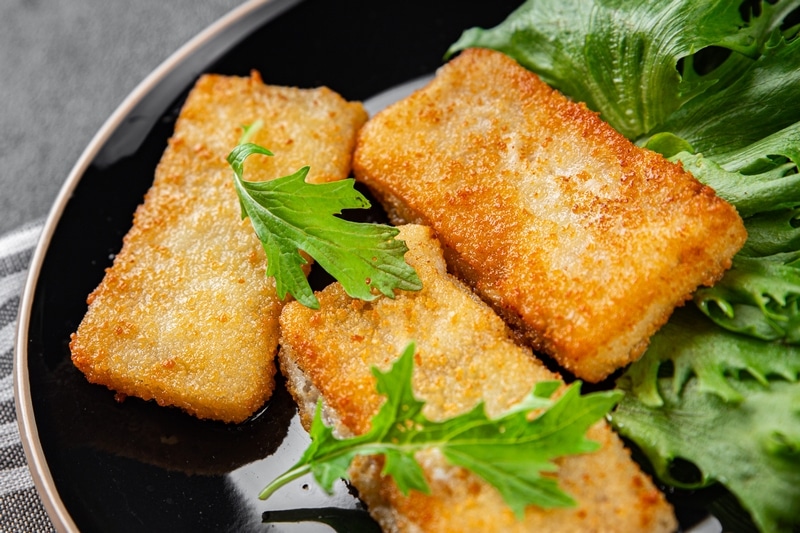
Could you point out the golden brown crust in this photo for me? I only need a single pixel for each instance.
(614, 497)
(577, 237)
(464, 354)
(186, 315)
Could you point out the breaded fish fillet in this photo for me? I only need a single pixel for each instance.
(464, 354)
(580, 239)
(186, 315)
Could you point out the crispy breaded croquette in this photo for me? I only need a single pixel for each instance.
(582, 241)
(464, 354)
(186, 315)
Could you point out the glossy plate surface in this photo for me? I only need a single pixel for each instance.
(101, 465)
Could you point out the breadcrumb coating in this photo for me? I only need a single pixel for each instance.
(186, 316)
(464, 354)
(579, 239)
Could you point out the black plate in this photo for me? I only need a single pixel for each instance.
(107, 466)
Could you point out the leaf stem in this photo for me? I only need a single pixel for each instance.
(283, 479)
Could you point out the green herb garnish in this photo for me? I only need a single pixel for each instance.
(290, 215)
(510, 452)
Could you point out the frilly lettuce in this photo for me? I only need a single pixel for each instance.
(727, 404)
(636, 62)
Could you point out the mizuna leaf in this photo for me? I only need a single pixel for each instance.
(509, 452)
(290, 215)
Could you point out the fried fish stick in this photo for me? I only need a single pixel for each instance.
(464, 354)
(582, 241)
(186, 315)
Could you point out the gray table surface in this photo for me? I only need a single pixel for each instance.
(65, 65)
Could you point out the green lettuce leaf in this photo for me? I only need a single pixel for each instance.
(620, 57)
(775, 188)
(692, 347)
(772, 233)
(727, 404)
(290, 215)
(509, 452)
(758, 297)
(761, 99)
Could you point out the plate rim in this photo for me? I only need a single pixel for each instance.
(244, 19)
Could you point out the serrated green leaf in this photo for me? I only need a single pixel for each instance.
(509, 452)
(619, 57)
(729, 405)
(770, 190)
(772, 233)
(405, 470)
(516, 463)
(290, 215)
(760, 100)
(696, 348)
(750, 446)
(759, 296)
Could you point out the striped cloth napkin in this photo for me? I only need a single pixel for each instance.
(21, 510)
